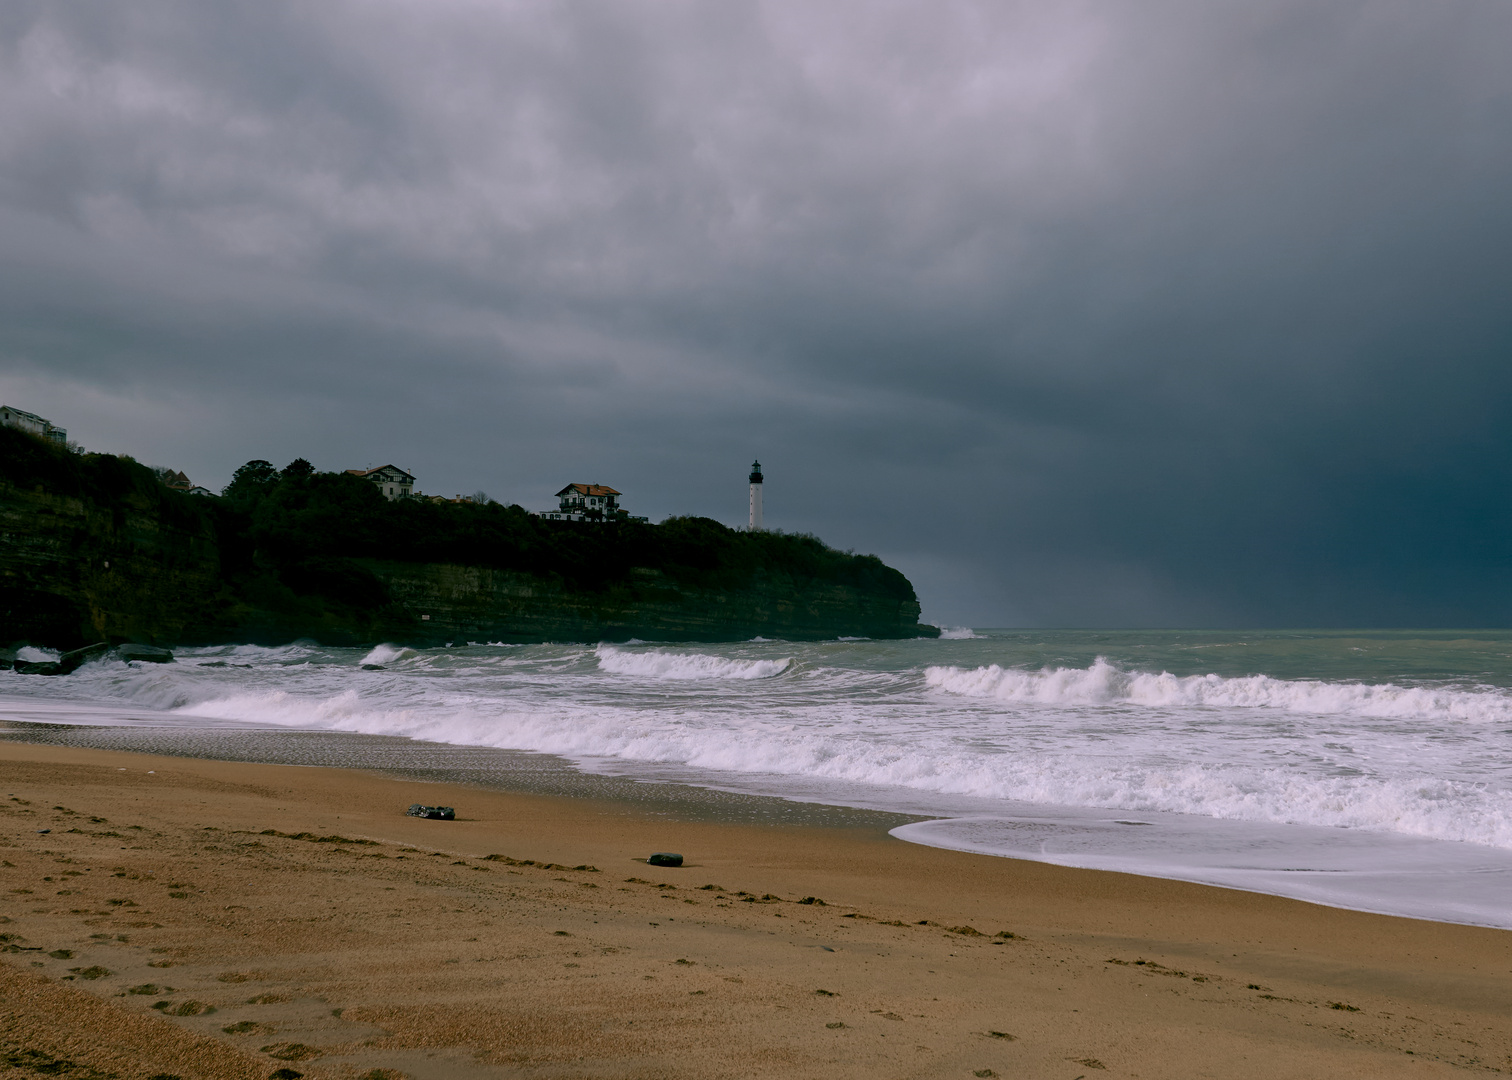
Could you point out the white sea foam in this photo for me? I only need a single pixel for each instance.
(878, 725)
(1104, 684)
(958, 633)
(1390, 874)
(912, 760)
(659, 664)
(251, 654)
(387, 654)
(31, 654)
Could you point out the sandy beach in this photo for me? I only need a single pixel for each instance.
(165, 916)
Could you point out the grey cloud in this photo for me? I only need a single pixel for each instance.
(1080, 313)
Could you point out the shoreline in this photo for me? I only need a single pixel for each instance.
(497, 967)
(530, 772)
(487, 768)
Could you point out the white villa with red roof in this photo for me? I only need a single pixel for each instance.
(585, 502)
(392, 481)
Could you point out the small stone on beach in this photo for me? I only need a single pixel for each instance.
(665, 858)
(435, 813)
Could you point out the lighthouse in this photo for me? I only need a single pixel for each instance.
(755, 496)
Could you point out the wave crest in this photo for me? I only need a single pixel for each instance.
(658, 664)
(1103, 684)
(387, 654)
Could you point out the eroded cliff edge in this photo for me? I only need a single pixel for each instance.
(92, 548)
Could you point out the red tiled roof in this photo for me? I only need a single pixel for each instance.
(370, 472)
(589, 489)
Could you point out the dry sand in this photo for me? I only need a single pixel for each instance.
(212, 919)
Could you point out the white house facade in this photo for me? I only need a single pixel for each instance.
(392, 481)
(31, 422)
(586, 502)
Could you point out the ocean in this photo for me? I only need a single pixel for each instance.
(1362, 769)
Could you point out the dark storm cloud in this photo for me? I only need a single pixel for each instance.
(1079, 313)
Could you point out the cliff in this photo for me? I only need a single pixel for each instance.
(92, 548)
(467, 603)
(96, 549)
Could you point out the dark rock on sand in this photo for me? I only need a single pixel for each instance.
(436, 813)
(665, 858)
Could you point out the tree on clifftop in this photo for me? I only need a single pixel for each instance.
(298, 469)
(254, 478)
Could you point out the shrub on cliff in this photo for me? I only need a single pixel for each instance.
(27, 461)
(292, 551)
(292, 519)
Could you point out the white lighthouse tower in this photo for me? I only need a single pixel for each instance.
(755, 496)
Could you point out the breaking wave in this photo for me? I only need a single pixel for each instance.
(658, 664)
(387, 654)
(918, 761)
(1387, 756)
(1104, 684)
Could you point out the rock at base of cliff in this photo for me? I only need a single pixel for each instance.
(63, 665)
(147, 654)
(72, 661)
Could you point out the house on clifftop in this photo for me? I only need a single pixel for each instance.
(392, 481)
(586, 502)
(175, 480)
(31, 422)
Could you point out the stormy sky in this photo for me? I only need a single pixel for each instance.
(1079, 313)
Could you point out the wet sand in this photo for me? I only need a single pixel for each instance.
(200, 918)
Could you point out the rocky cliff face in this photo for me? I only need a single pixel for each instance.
(100, 551)
(73, 571)
(462, 603)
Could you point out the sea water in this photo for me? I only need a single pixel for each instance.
(1367, 770)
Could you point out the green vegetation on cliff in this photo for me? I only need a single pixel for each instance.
(95, 546)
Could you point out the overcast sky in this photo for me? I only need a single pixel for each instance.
(1080, 314)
